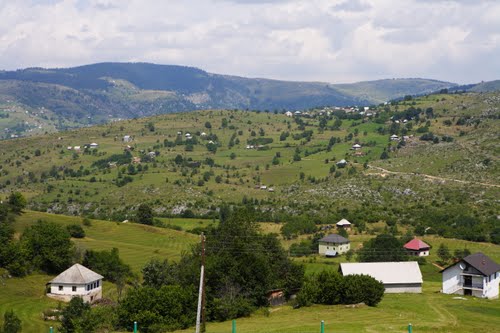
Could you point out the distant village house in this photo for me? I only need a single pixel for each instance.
(418, 248)
(333, 245)
(79, 281)
(344, 224)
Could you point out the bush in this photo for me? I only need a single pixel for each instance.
(11, 323)
(329, 287)
(362, 288)
(76, 231)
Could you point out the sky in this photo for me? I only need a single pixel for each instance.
(313, 40)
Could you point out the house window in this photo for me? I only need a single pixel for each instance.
(97, 284)
(61, 288)
(73, 288)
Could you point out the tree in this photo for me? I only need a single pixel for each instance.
(47, 246)
(343, 233)
(384, 247)
(444, 253)
(208, 125)
(73, 314)
(17, 202)
(108, 264)
(11, 323)
(144, 214)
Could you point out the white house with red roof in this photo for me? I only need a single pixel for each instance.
(417, 247)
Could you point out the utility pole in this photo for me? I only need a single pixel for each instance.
(200, 315)
(203, 281)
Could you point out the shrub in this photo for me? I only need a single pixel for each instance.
(362, 288)
(76, 231)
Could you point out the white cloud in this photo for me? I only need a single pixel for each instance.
(320, 40)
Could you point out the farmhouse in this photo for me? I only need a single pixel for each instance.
(394, 137)
(79, 281)
(127, 138)
(333, 245)
(288, 114)
(342, 163)
(343, 224)
(94, 145)
(356, 146)
(397, 277)
(475, 275)
(418, 248)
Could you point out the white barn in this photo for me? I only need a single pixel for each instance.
(79, 281)
(397, 277)
(475, 275)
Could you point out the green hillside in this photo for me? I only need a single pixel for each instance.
(451, 148)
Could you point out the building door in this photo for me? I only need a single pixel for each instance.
(467, 284)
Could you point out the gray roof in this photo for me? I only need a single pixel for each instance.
(482, 263)
(77, 274)
(333, 238)
(386, 272)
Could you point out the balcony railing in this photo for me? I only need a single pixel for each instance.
(473, 286)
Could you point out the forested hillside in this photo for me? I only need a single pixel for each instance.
(37, 100)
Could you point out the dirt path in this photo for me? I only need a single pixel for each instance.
(441, 268)
(383, 172)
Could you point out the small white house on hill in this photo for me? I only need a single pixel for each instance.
(79, 281)
(475, 275)
(343, 224)
(333, 245)
(418, 248)
(397, 277)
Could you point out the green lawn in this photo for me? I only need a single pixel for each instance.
(137, 243)
(427, 312)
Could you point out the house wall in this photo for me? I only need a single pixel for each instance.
(340, 248)
(67, 293)
(452, 281)
(491, 289)
(415, 288)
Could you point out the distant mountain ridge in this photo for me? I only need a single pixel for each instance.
(95, 93)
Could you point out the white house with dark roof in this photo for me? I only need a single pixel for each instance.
(79, 281)
(397, 277)
(333, 245)
(475, 275)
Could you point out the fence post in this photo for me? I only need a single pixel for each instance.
(51, 329)
(135, 327)
(322, 326)
(410, 328)
(234, 326)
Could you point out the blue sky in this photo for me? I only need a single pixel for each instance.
(314, 40)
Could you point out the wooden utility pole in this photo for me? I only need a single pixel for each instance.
(200, 315)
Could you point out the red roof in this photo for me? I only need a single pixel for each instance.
(416, 244)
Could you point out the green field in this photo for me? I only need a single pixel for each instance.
(137, 243)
